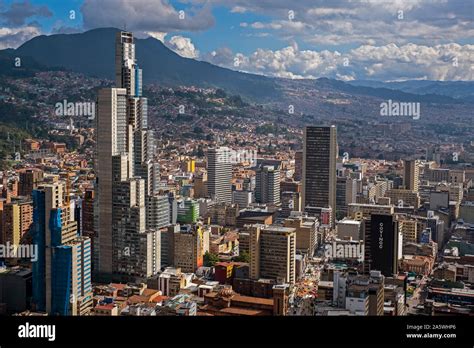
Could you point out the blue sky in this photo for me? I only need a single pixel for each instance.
(370, 39)
(227, 32)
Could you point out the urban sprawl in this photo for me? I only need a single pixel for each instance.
(123, 220)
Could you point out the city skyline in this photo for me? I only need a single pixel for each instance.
(138, 182)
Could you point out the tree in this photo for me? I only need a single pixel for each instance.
(243, 257)
(210, 259)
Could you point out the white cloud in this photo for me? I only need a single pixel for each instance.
(144, 16)
(257, 25)
(14, 37)
(183, 46)
(157, 35)
(378, 22)
(410, 61)
(238, 9)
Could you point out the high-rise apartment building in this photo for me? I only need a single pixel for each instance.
(219, 175)
(189, 248)
(298, 165)
(272, 253)
(242, 198)
(158, 212)
(411, 172)
(17, 220)
(88, 218)
(346, 191)
(319, 168)
(409, 229)
(267, 185)
(306, 232)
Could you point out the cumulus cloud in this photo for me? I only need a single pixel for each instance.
(60, 27)
(14, 37)
(18, 12)
(145, 16)
(19, 21)
(183, 46)
(342, 22)
(222, 57)
(410, 61)
(157, 35)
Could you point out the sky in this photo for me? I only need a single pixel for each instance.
(384, 40)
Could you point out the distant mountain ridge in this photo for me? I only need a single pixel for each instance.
(385, 92)
(454, 89)
(92, 53)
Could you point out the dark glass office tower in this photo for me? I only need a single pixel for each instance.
(319, 168)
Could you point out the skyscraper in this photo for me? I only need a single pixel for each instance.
(44, 200)
(267, 185)
(319, 167)
(88, 229)
(111, 133)
(298, 165)
(128, 75)
(346, 190)
(61, 275)
(71, 278)
(158, 211)
(411, 172)
(125, 248)
(219, 175)
(382, 239)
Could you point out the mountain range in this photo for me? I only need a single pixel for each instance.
(92, 53)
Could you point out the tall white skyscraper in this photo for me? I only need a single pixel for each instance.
(112, 128)
(126, 248)
(219, 175)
